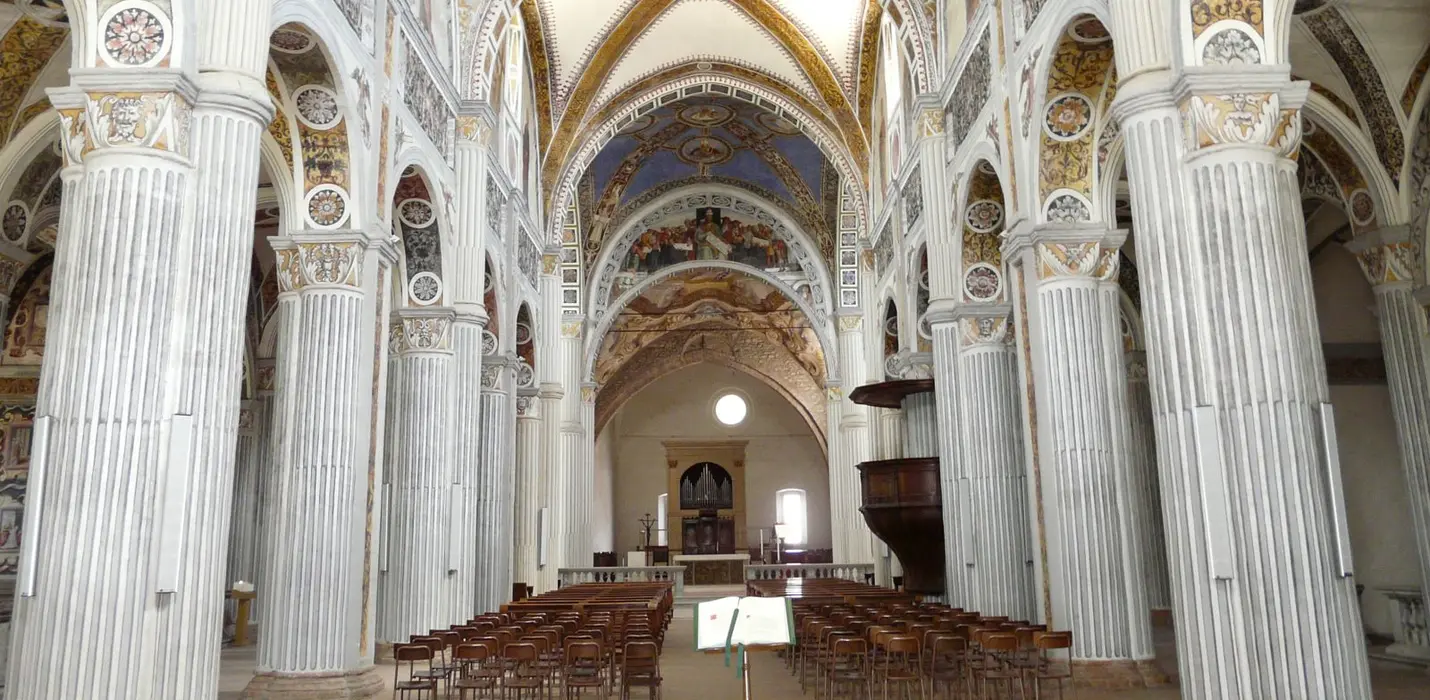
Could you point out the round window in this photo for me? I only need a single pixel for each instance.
(730, 409)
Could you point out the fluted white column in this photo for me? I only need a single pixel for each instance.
(471, 549)
(317, 636)
(1262, 590)
(495, 486)
(1147, 507)
(854, 431)
(553, 485)
(529, 459)
(251, 465)
(839, 516)
(1094, 562)
(891, 432)
(419, 587)
(986, 499)
(578, 472)
(1392, 263)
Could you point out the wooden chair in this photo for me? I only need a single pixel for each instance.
(437, 670)
(640, 668)
(417, 681)
(583, 668)
(848, 669)
(525, 680)
(1047, 668)
(998, 674)
(947, 654)
(474, 671)
(901, 666)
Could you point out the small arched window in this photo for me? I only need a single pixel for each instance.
(791, 518)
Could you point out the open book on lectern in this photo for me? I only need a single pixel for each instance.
(734, 621)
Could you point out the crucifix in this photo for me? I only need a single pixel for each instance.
(646, 522)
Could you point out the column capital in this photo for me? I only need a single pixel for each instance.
(148, 110)
(1390, 257)
(988, 329)
(1136, 361)
(929, 116)
(331, 259)
(849, 322)
(1061, 250)
(834, 390)
(236, 92)
(263, 372)
(475, 123)
(528, 405)
(423, 330)
(551, 391)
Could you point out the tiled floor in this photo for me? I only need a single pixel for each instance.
(691, 675)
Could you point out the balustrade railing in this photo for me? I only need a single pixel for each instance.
(1409, 623)
(623, 574)
(767, 572)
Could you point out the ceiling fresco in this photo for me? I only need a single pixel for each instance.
(710, 305)
(714, 139)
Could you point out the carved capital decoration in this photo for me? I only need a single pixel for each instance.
(549, 264)
(423, 333)
(10, 270)
(528, 407)
(987, 330)
(491, 375)
(848, 324)
(1137, 367)
(588, 393)
(1062, 260)
(835, 393)
(1391, 263)
(931, 122)
(245, 420)
(1242, 118)
(263, 377)
(473, 129)
(572, 328)
(337, 264)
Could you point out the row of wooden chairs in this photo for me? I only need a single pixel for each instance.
(926, 651)
(533, 657)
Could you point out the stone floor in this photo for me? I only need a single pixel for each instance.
(692, 675)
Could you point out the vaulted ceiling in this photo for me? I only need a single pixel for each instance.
(593, 54)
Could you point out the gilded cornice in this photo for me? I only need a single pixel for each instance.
(540, 67)
(868, 54)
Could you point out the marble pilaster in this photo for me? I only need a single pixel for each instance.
(579, 474)
(495, 487)
(1094, 564)
(839, 516)
(470, 550)
(1393, 262)
(250, 470)
(318, 635)
(1151, 534)
(426, 508)
(854, 432)
(986, 512)
(553, 487)
(1245, 433)
(529, 459)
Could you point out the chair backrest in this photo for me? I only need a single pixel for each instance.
(521, 652)
(412, 652)
(850, 646)
(471, 652)
(1052, 640)
(580, 649)
(901, 644)
(999, 641)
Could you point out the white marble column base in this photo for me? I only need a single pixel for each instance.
(341, 685)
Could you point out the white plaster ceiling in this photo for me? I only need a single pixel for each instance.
(694, 30)
(698, 29)
(1395, 33)
(574, 28)
(831, 25)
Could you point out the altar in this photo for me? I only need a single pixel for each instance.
(712, 569)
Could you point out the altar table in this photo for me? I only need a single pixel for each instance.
(712, 569)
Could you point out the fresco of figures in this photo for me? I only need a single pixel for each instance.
(709, 235)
